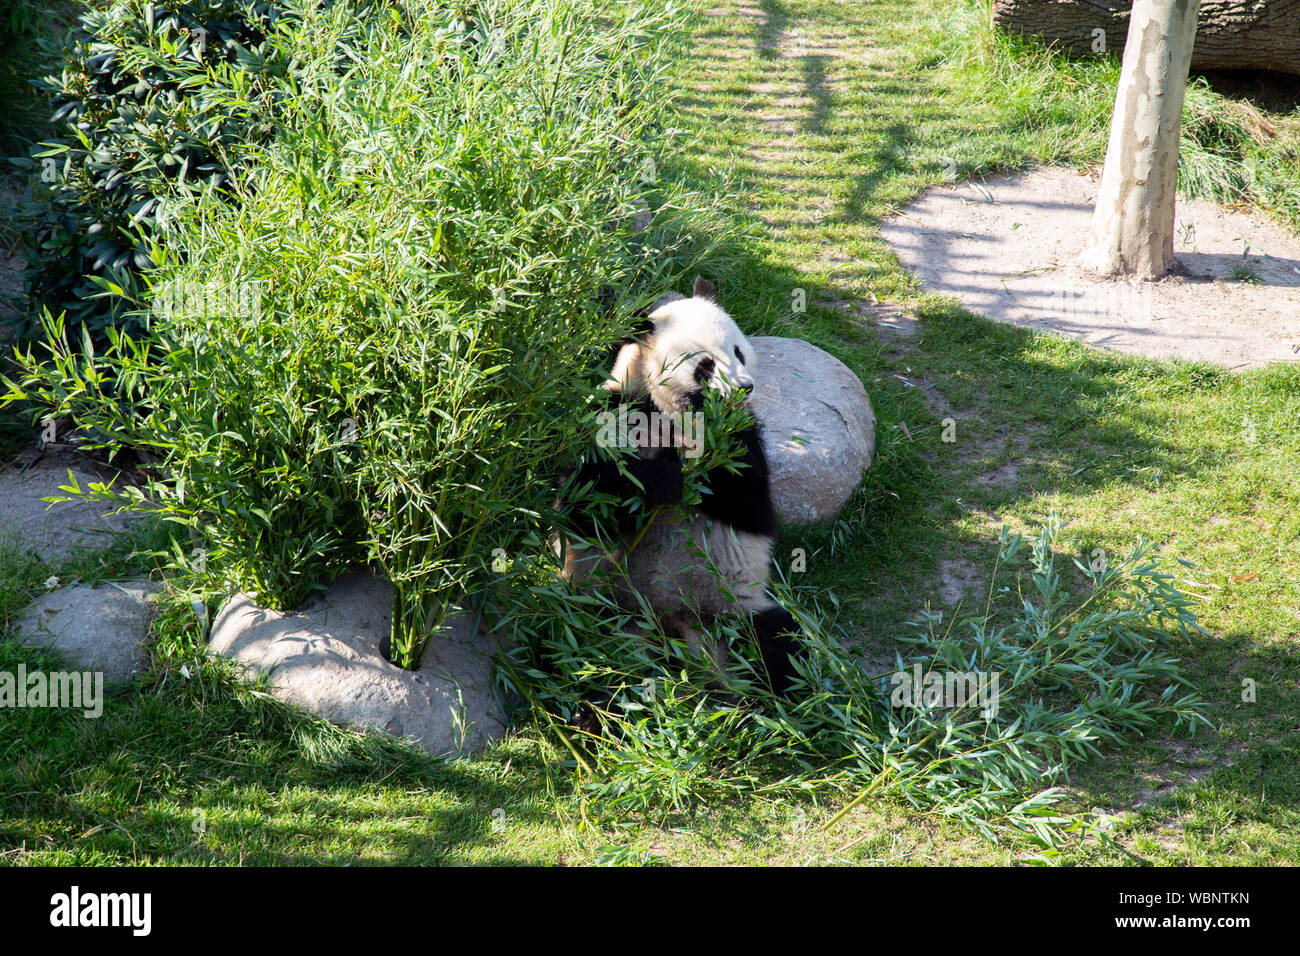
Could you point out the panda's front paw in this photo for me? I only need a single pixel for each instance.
(584, 720)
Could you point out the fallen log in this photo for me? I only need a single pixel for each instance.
(1230, 34)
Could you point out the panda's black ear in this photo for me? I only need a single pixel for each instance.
(704, 289)
(643, 327)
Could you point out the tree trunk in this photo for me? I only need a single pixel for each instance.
(1133, 224)
(1231, 35)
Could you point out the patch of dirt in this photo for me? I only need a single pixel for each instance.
(959, 579)
(1004, 476)
(929, 393)
(1186, 764)
(1005, 247)
(893, 321)
(1171, 836)
(967, 449)
(878, 659)
(1000, 476)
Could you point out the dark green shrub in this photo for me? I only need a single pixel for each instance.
(153, 103)
(23, 24)
(20, 20)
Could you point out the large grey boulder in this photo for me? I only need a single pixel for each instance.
(53, 531)
(101, 628)
(325, 657)
(818, 427)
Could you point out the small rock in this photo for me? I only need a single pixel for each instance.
(818, 427)
(100, 628)
(325, 657)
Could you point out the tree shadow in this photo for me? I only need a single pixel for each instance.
(222, 774)
(769, 30)
(814, 81)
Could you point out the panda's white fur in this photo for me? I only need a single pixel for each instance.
(663, 361)
(692, 564)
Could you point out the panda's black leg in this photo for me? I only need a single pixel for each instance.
(777, 630)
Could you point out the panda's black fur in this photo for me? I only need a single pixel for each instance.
(735, 522)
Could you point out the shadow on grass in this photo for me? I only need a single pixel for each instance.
(215, 772)
(769, 32)
(1248, 772)
(1075, 421)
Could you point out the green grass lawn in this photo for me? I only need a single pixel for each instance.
(823, 117)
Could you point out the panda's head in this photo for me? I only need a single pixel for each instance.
(685, 347)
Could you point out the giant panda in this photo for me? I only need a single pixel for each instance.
(691, 565)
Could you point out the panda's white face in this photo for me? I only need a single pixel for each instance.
(695, 346)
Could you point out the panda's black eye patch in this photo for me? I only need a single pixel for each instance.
(740, 355)
(705, 369)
